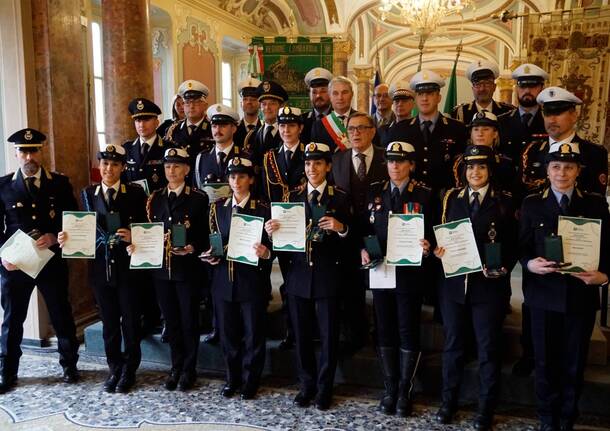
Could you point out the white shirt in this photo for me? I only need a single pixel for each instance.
(487, 108)
(563, 141)
(320, 189)
(37, 175)
(241, 204)
(189, 124)
(227, 151)
(369, 152)
(482, 192)
(148, 142)
(293, 148)
(273, 131)
(115, 186)
(178, 190)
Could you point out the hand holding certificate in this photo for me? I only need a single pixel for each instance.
(20, 250)
(461, 254)
(147, 241)
(292, 231)
(80, 227)
(581, 239)
(405, 231)
(245, 232)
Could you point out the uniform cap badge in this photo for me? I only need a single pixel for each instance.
(311, 147)
(140, 105)
(172, 152)
(266, 86)
(28, 135)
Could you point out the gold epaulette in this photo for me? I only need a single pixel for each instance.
(170, 131)
(252, 204)
(445, 201)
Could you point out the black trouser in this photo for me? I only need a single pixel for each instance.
(353, 305)
(283, 261)
(118, 309)
(527, 345)
(15, 296)
(398, 317)
(561, 346)
(242, 336)
(487, 320)
(323, 311)
(179, 302)
(148, 307)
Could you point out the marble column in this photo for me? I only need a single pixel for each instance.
(60, 111)
(363, 74)
(342, 50)
(128, 65)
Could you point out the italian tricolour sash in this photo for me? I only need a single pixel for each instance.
(336, 129)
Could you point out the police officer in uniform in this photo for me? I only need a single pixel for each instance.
(562, 306)
(403, 102)
(314, 277)
(177, 115)
(437, 139)
(178, 283)
(484, 131)
(519, 126)
(560, 118)
(284, 171)
(145, 153)
(248, 91)
(354, 170)
(481, 296)
(32, 199)
(482, 74)
(271, 97)
(317, 80)
(211, 166)
(194, 133)
(113, 283)
(398, 311)
(240, 290)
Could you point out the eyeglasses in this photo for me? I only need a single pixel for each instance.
(193, 101)
(362, 128)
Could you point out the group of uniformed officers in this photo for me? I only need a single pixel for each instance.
(511, 170)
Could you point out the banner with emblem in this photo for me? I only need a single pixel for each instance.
(287, 63)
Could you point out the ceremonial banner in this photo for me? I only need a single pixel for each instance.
(288, 63)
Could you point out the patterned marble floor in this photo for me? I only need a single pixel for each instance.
(42, 402)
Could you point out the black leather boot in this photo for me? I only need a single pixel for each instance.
(409, 360)
(388, 356)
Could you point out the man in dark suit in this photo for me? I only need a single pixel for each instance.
(383, 103)
(115, 286)
(248, 92)
(178, 283)
(194, 133)
(560, 119)
(330, 129)
(519, 126)
(314, 277)
(271, 97)
(438, 140)
(32, 200)
(562, 306)
(317, 80)
(145, 153)
(354, 171)
(482, 74)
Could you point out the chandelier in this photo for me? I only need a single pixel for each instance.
(423, 16)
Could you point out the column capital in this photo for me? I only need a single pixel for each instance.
(343, 48)
(363, 73)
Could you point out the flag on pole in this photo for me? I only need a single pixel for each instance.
(451, 97)
(256, 66)
(378, 81)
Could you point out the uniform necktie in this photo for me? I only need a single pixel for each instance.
(361, 166)
(221, 161)
(426, 130)
(192, 128)
(396, 201)
(525, 119)
(342, 118)
(171, 197)
(32, 187)
(563, 203)
(250, 127)
(144, 149)
(110, 196)
(268, 139)
(236, 209)
(475, 206)
(288, 155)
(313, 197)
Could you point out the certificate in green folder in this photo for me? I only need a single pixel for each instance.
(461, 252)
(292, 232)
(80, 228)
(148, 241)
(246, 230)
(404, 233)
(581, 239)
